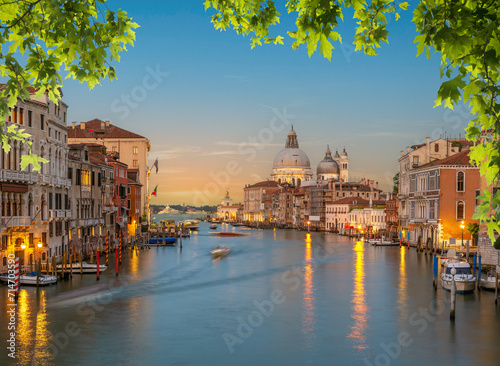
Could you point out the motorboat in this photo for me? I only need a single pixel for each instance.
(465, 281)
(451, 255)
(164, 241)
(191, 225)
(229, 233)
(213, 226)
(488, 282)
(86, 267)
(30, 279)
(385, 243)
(220, 252)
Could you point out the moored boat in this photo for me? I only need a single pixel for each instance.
(488, 282)
(465, 281)
(86, 267)
(213, 226)
(164, 241)
(30, 279)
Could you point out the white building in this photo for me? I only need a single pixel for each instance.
(227, 211)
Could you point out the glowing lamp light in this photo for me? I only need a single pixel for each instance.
(359, 226)
(309, 223)
(23, 246)
(40, 244)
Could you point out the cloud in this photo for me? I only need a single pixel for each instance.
(245, 143)
(175, 152)
(223, 152)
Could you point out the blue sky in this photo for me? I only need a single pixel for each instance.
(219, 93)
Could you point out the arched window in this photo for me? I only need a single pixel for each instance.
(460, 210)
(436, 147)
(460, 182)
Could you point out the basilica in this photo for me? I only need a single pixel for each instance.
(292, 165)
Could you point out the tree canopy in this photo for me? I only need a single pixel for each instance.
(465, 33)
(43, 41)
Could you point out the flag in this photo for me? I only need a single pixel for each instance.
(154, 192)
(156, 165)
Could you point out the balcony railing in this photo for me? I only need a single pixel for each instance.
(15, 221)
(17, 176)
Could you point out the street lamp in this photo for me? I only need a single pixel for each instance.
(308, 226)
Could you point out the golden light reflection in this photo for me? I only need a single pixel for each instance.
(25, 329)
(403, 283)
(43, 336)
(134, 263)
(359, 306)
(308, 296)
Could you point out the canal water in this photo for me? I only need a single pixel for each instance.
(280, 298)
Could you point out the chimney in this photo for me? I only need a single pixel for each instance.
(407, 149)
(74, 124)
(107, 123)
(371, 184)
(376, 187)
(82, 125)
(402, 153)
(371, 201)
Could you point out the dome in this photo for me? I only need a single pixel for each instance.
(337, 156)
(327, 165)
(291, 157)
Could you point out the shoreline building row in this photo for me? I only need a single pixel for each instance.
(293, 199)
(83, 193)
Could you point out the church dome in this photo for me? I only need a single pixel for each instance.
(291, 155)
(327, 165)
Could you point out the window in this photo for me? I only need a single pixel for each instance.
(30, 119)
(135, 150)
(114, 149)
(460, 182)
(99, 179)
(432, 209)
(50, 131)
(478, 193)
(50, 229)
(42, 122)
(50, 200)
(64, 118)
(415, 161)
(460, 210)
(436, 147)
(70, 173)
(21, 116)
(135, 163)
(129, 204)
(78, 177)
(129, 190)
(412, 211)
(93, 179)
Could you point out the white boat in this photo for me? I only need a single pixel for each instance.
(451, 255)
(86, 267)
(30, 279)
(220, 252)
(488, 282)
(465, 281)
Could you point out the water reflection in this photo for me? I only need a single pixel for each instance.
(42, 335)
(308, 295)
(359, 306)
(24, 329)
(403, 284)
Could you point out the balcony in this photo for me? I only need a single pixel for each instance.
(91, 221)
(15, 221)
(17, 176)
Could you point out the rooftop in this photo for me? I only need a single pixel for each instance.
(97, 128)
